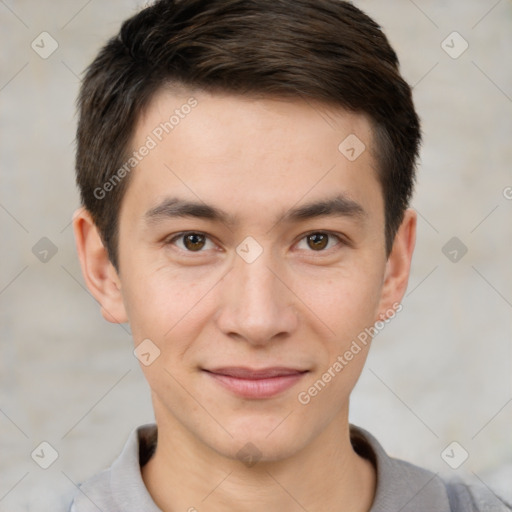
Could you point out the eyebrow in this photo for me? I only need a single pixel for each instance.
(173, 207)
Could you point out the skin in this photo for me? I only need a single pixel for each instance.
(296, 305)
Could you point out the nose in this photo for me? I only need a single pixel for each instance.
(256, 304)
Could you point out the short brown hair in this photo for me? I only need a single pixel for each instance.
(324, 50)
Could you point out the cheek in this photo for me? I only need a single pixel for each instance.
(347, 304)
(345, 299)
(164, 306)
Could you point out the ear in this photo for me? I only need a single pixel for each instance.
(398, 265)
(99, 274)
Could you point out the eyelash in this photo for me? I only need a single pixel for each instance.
(180, 236)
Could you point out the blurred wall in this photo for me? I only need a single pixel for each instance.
(439, 373)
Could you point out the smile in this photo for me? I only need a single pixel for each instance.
(256, 384)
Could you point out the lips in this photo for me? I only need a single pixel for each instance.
(248, 373)
(256, 383)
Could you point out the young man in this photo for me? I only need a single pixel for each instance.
(245, 168)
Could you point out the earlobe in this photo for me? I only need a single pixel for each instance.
(398, 265)
(100, 276)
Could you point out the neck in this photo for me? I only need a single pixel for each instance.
(185, 474)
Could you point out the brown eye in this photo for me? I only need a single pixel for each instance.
(318, 241)
(191, 241)
(194, 241)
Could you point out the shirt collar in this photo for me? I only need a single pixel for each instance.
(128, 488)
(401, 486)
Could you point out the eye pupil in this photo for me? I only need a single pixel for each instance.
(194, 241)
(317, 240)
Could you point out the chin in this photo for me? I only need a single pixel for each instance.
(252, 438)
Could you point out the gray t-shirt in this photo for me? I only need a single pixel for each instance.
(401, 486)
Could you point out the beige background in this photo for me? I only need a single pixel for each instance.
(440, 372)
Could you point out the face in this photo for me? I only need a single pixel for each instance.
(252, 255)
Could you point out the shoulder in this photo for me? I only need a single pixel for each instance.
(94, 495)
(120, 488)
(409, 488)
(471, 497)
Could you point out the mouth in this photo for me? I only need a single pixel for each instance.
(256, 383)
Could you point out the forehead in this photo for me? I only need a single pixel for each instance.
(181, 111)
(246, 151)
